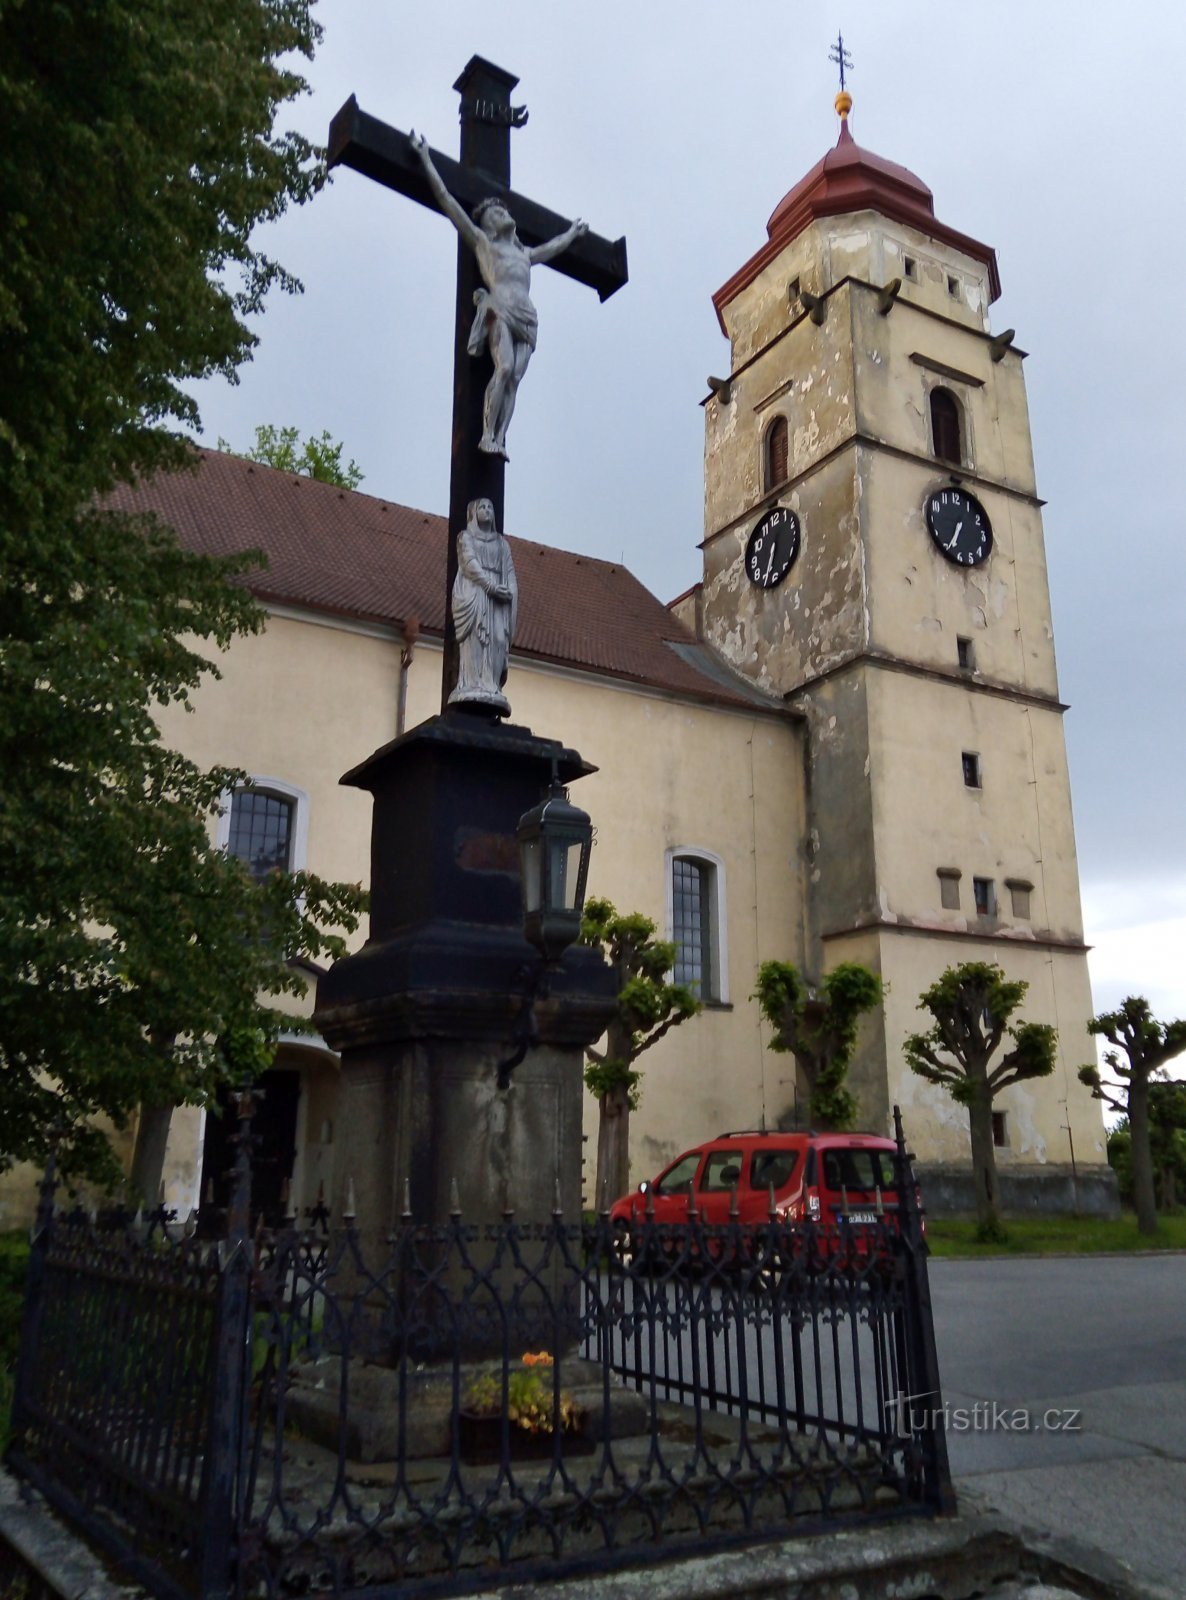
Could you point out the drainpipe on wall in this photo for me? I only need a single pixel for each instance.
(411, 634)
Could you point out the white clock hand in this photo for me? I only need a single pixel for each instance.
(770, 563)
(954, 536)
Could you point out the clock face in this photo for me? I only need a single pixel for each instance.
(959, 525)
(772, 548)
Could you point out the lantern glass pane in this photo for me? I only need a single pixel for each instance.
(530, 856)
(564, 863)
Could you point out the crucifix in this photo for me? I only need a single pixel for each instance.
(479, 181)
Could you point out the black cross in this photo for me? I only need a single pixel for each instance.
(841, 57)
(487, 116)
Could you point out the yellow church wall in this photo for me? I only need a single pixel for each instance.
(673, 775)
(898, 360)
(1003, 605)
(817, 617)
(805, 376)
(1038, 1112)
(302, 703)
(1017, 824)
(677, 776)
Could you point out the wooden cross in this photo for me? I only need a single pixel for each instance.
(484, 170)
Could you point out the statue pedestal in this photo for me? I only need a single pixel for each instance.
(425, 1013)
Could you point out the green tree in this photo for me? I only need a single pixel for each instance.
(648, 1007)
(971, 1006)
(1167, 1144)
(818, 1026)
(315, 457)
(1146, 1046)
(137, 154)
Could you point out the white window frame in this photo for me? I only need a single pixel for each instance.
(719, 935)
(299, 843)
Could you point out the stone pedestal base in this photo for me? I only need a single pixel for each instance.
(429, 1014)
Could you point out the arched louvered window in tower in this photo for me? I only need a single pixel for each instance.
(778, 452)
(946, 430)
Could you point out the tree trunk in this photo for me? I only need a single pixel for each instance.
(984, 1165)
(148, 1156)
(613, 1147)
(1142, 1155)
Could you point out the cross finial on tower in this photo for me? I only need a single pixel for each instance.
(841, 57)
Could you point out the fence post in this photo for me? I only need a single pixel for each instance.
(232, 1343)
(922, 1374)
(34, 1301)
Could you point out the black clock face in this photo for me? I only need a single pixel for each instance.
(772, 548)
(959, 525)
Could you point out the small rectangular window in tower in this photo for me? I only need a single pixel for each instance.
(985, 895)
(949, 888)
(953, 286)
(965, 654)
(908, 266)
(1000, 1129)
(971, 763)
(793, 293)
(1020, 890)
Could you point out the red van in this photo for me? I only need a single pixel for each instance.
(839, 1180)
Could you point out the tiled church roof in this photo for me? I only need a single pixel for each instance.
(356, 556)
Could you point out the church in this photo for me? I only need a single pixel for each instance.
(843, 744)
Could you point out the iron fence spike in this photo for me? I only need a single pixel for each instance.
(349, 1213)
(408, 1198)
(454, 1198)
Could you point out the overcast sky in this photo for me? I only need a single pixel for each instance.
(1049, 130)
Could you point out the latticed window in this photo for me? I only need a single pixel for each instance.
(691, 924)
(261, 831)
(945, 426)
(778, 452)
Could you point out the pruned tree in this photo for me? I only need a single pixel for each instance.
(139, 153)
(648, 1007)
(1147, 1045)
(972, 1005)
(818, 1026)
(319, 456)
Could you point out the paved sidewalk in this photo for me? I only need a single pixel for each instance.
(1042, 1340)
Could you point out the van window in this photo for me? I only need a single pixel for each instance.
(679, 1176)
(721, 1171)
(775, 1167)
(859, 1170)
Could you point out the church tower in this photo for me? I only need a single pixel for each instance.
(873, 554)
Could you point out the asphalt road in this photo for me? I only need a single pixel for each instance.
(1064, 1382)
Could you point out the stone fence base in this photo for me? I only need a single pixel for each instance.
(1049, 1190)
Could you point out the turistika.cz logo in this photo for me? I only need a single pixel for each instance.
(911, 1411)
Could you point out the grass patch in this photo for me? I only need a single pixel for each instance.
(1036, 1236)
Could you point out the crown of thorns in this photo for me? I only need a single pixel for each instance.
(483, 206)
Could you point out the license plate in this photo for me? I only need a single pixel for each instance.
(861, 1216)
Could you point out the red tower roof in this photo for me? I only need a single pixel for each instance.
(852, 179)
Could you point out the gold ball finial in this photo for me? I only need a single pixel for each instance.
(843, 103)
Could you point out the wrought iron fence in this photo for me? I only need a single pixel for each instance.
(281, 1415)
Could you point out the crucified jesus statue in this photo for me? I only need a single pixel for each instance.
(504, 319)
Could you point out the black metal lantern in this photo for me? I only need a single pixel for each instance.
(555, 838)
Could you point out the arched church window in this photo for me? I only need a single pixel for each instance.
(265, 822)
(261, 831)
(946, 430)
(778, 452)
(696, 918)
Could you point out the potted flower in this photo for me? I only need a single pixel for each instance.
(534, 1413)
